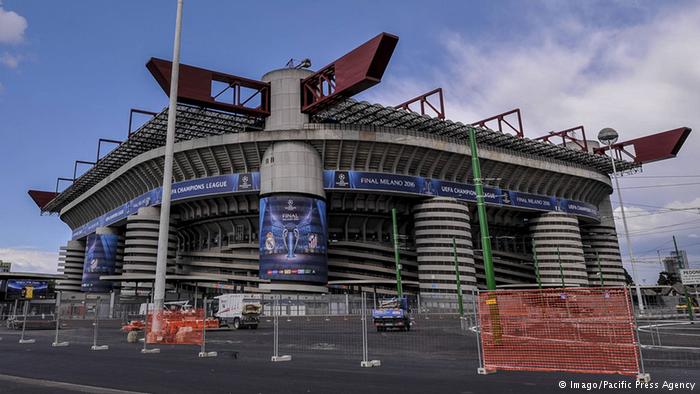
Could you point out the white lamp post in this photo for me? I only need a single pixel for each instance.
(608, 137)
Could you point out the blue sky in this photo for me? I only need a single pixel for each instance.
(70, 72)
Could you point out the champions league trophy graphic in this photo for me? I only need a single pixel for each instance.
(292, 221)
(291, 239)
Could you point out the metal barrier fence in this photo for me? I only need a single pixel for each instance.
(589, 330)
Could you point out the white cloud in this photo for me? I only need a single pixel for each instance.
(12, 26)
(30, 260)
(10, 60)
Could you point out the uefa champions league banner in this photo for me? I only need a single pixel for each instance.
(180, 190)
(244, 182)
(293, 238)
(461, 191)
(100, 259)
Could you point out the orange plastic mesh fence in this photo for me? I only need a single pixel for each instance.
(179, 327)
(588, 330)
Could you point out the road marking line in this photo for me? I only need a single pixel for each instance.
(80, 388)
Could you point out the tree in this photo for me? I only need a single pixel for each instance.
(667, 279)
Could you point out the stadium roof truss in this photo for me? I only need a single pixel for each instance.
(360, 112)
(192, 123)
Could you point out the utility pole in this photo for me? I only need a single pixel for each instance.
(459, 282)
(688, 300)
(600, 270)
(481, 209)
(164, 224)
(561, 268)
(397, 257)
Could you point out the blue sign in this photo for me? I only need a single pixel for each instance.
(531, 201)
(222, 184)
(460, 191)
(577, 208)
(100, 259)
(466, 192)
(373, 181)
(293, 239)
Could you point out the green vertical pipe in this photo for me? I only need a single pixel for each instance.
(600, 270)
(537, 265)
(397, 257)
(688, 303)
(561, 269)
(459, 282)
(481, 209)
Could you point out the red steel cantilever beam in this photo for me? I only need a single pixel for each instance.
(41, 198)
(195, 88)
(567, 136)
(501, 119)
(424, 100)
(650, 148)
(358, 70)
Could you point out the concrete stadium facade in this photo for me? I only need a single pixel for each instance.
(215, 241)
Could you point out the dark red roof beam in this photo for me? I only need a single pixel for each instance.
(356, 71)
(501, 119)
(424, 100)
(651, 148)
(195, 88)
(41, 198)
(567, 135)
(99, 146)
(138, 111)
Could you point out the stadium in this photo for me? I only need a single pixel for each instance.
(287, 183)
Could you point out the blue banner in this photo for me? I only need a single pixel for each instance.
(464, 191)
(531, 201)
(100, 259)
(577, 208)
(373, 181)
(223, 184)
(334, 180)
(460, 191)
(293, 239)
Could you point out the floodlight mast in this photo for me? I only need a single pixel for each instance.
(609, 136)
(164, 224)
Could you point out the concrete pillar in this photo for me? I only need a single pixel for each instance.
(436, 222)
(602, 238)
(554, 230)
(141, 247)
(285, 99)
(72, 259)
(291, 181)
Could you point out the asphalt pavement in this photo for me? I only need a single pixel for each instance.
(436, 356)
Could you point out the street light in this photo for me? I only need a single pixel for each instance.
(608, 136)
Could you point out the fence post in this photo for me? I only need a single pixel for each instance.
(482, 369)
(203, 352)
(24, 324)
(276, 342)
(111, 304)
(642, 376)
(96, 325)
(56, 343)
(145, 349)
(366, 362)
